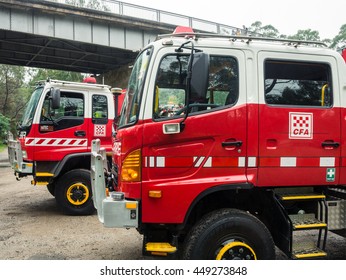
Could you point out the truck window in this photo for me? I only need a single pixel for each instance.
(297, 83)
(131, 104)
(99, 109)
(70, 113)
(170, 94)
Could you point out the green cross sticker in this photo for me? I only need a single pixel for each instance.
(330, 175)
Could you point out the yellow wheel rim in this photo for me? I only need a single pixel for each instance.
(77, 194)
(238, 250)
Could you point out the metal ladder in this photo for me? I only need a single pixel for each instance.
(308, 230)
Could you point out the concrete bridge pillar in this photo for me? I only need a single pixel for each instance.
(116, 78)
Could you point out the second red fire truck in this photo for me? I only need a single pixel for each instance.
(54, 139)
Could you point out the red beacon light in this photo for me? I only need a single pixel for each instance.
(90, 80)
(183, 29)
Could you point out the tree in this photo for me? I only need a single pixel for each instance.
(339, 39)
(13, 93)
(43, 74)
(4, 127)
(307, 35)
(265, 31)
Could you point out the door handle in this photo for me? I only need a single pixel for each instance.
(330, 144)
(232, 144)
(79, 133)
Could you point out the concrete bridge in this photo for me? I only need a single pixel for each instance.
(88, 36)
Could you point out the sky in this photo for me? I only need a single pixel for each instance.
(288, 17)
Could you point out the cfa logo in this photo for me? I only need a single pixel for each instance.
(301, 125)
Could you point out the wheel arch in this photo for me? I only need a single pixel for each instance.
(72, 161)
(239, 196)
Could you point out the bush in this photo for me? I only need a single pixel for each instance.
(4, 128)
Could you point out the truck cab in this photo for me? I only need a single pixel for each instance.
(54, 139)
(227, 146)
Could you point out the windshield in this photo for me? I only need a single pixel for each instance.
(130, 108)
(31, 108)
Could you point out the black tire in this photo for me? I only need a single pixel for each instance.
(229, 234)
(51, 189)
(73, 193)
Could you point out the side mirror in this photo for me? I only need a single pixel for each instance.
(55, 98)
(199, 75)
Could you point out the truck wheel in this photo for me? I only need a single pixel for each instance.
(51, 189)
(73, 193)
(229, 234)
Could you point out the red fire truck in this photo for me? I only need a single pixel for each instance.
(54, 139)
(252, 155)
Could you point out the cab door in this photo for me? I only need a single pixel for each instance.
(299, 121)
(61, 131)
(209, 150)
(101, 125)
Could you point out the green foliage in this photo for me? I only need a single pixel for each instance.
(340, 39)
(258, 29)
(307, 35)
(13, 94)
(4, 127)
(43, 74)
(265, 31)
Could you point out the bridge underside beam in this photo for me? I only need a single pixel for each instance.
(60, 37)
(52, 53)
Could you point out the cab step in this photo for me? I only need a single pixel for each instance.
(305, 211)
(307, 250)
(160, 248)
(306, 221)
(309, 254)
(300, 196)
(39, 183)
(42, 179)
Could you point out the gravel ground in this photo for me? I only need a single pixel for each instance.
(32, 228)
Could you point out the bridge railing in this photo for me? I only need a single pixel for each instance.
(131, 10)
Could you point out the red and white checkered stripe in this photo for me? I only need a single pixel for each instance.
(56, 142)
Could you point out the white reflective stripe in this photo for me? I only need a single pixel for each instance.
(251, 161)
(241, 162)
(208, 163)
(151, 161)
(199, 161)
(288, 161)
(160, 162)
(327, 162)
(56, 142)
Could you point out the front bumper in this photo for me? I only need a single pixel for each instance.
(15, 156)
(113, 210)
